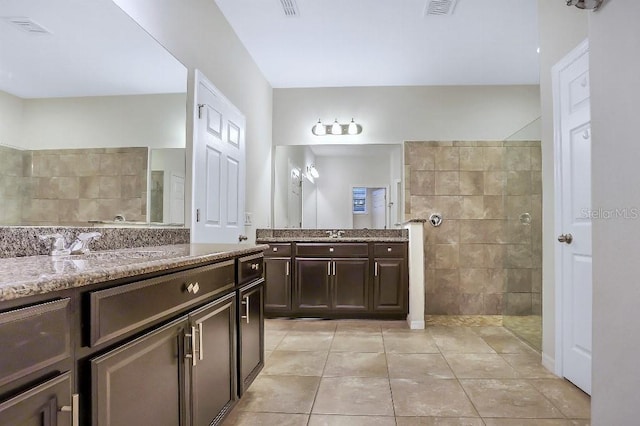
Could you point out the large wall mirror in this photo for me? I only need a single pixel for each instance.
(93, 116)
(338, 186)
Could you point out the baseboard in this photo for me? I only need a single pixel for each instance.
(549, 363)
(415, 325)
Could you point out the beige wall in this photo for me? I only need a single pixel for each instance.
(198, 35)
(614, 35)
(397, 114)
(11, 111)
(561, 29)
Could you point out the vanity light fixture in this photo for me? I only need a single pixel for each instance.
(312, 171)
(336, 129)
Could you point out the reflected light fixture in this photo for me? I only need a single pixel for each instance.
(336, 129)
(319, 129)
(312, 171)
(585, 4)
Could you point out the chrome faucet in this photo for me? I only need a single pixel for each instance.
(334, 233)
(79, 246)
(81, 243)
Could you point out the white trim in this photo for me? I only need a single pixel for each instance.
(415, 325)
(570, 58)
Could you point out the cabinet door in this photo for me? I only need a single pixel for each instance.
(351, 285)
(139, 383)
(390, 285)
(41, 406)
(213, 362)
(313, 280)
(278, 284)
(251, 334)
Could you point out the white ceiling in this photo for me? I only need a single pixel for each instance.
(336, 43)
(94, 49)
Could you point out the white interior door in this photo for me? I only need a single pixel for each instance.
(295, 198)
(176, 198)
(573, 159)
(219, 167)
(379, 208)
(309, 204)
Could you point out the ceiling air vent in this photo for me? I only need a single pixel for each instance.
(26, 24)
(290, 8)
(439, 7)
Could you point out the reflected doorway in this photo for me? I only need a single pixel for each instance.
(369, 207)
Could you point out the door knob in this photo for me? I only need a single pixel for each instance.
(242, 238)
(565, 238)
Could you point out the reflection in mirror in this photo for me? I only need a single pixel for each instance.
(83, 115)
(326, 201)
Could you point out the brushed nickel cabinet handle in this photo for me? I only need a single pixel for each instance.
(74, 409)
(329, 268)
(287, 269)
(200, 349)
(375, 269)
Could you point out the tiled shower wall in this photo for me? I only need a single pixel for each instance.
(486, 257)
(74, 186)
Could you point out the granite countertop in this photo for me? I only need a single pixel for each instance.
(32, 275)
(305, 239)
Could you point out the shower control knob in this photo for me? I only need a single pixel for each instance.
(565, 238)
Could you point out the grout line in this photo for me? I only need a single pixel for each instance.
(326, 360)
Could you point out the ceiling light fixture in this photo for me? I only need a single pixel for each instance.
(585, 4)
(336, 129)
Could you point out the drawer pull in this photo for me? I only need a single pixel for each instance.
(193, 288)
(275, 249)
(389, 249)
(74, 409)
(330, 249)
(255, 266)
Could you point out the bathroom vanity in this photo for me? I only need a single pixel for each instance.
(169, 335)
(359, 275)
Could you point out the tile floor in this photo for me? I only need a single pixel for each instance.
(379, 373)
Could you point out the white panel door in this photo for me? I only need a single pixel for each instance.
(176, 198)
(219, 167)
(574, 240)
(379, 208)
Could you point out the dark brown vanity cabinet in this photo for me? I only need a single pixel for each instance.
(341, 279)
(250, 333)
(390, 277)
(330, 283)
(277, 273)
(35, 364)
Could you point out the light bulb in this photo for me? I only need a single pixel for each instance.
(314, 172)
(353, 128)
(319, 129)
(336, 128)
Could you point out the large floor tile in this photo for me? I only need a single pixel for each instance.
(439, 421)
(346, 326)
(430, 397)
(459, 340)
(314, 325)
(528, 366)
(334, 420)
(277, 324)
(272, 338)
(358, 342)
(280, 394)
(507, 344)
(418, 366)
(509, 398)
(306, 341)
(295, 363)
(354, 396)
(245, 418)
(527, 422)
(356, 364)
(486, 331)
(574, 403)
(408, 341)
(480, 366)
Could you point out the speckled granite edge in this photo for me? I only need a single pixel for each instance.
(321, 235)
(16, 241)
(33, 275)
(303, 239)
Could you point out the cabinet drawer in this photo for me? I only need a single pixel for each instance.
(333, 250)
(250, 268)
(117, 311)
(390, 250)
(34, 338)
(278, 250)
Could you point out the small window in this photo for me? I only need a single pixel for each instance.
(359, 200)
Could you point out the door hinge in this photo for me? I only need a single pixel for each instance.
(197, 215)
(200, 110)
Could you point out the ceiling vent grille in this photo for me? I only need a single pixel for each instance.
(439, 7)
(26, 24)
(290, 8)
